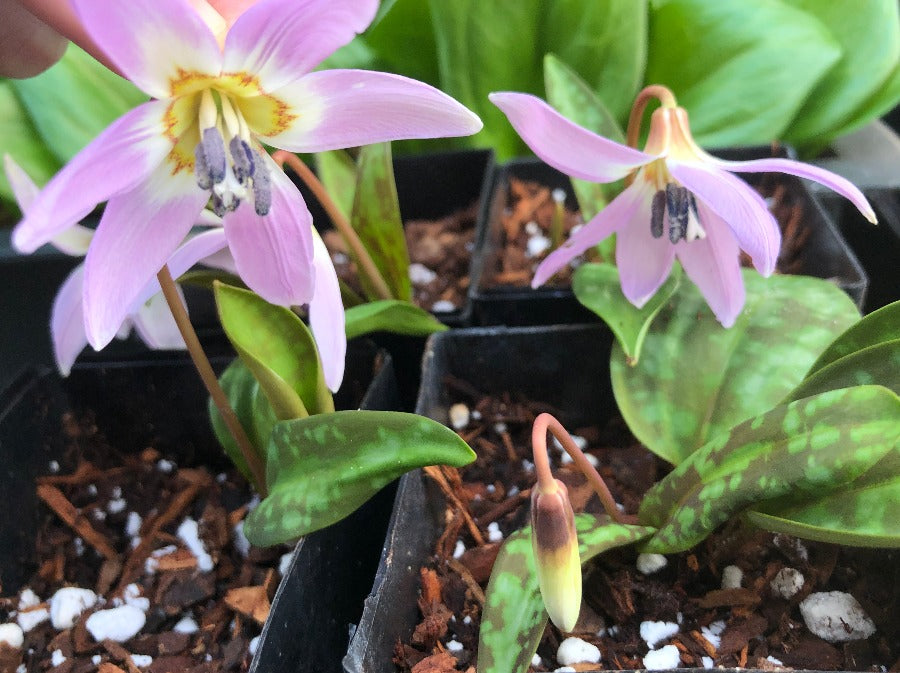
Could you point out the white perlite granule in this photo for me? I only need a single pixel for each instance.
(419, 274)
(459, 416)
(254, 645)
(656, 632)
(663, 659)
(836, 616)
(577, 651)
(67, 604)
(118, 624)
(189, 533)
(787, 582)
(186, 625)
(142, 660)
(494, 532)
(732, 576)
(454, 645)
(12, 635)
(57, 658)
(647, 564)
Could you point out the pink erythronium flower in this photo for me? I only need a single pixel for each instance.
(681, 203)
(200, 141)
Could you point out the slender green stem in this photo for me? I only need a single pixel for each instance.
(208, 376)
(363, 259)
(542, 424)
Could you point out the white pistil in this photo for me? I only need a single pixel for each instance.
(209, 114)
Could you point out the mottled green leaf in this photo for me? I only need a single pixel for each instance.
(869, 36)
(597, 286)
(696, 379)
(376, 220)
(390, 315)
(865, 513)
(574, 99)
(741, 69)
(323, 467)
(878, 365)
(514, 616)
(806, 448)
(252, 409)
(76, 99)
(876, 328)
(278, 348)
(20, 140)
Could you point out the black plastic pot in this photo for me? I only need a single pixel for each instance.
(825, 254)
(160, 402)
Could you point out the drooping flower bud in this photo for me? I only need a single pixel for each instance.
(555, 544)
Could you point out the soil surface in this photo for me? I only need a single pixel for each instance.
(119, 525)
(747, 623)
(530, 210)
(440, 252)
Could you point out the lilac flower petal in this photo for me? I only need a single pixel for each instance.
(738, 204)
(115, 161)
(139, 231)
(22, 185)
(326, 316)
(616, 216)
(565, 145)
(348, 108)
(273, 253)
(73, 241)
(281, 40)
(154, 324)
(67, 321)
(831, 180)
(155, 43)
(713, 264)
(644, 261)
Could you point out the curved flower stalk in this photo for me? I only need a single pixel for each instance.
(681, 202)
(200, 141)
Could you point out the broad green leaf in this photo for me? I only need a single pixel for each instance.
(575, 100)
(865, 513)
(879, 365)
(252, 409)
(604, 42)
(206, 278)
(323, 467)
(337, 171)
(391, 315)
(597, 286)
(376, 219)
(20, 140)
(869, 36)
(741, 69)
(806, 448)
(696, 379)
(876, 328)
(278, 348)
(76, 99)
(404, 41)
(882, 101)
(514, 616)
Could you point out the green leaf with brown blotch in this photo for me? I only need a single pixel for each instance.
(514, 616)
(337, 171)
(696, 379)
(865, 513)
(807, 448)
(278, 348)
(598, 287)
(323, 467)
(252, 409)
(390, 315)
(376, 220)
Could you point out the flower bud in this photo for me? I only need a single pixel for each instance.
(555, 546)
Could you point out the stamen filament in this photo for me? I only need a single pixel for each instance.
(209, 113)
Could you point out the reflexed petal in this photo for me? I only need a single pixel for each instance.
(739, 205)
(115, 161)
(632, 204)
(831, 180)
(153, 42)
(281, 40)
(644, 262)
(22, 185)
(348, 108)
(139, 231)
(73, 241)
(565, 145)
(273, 253)
(155, 325)
(67, 321)
(326, 316)
(713, 264)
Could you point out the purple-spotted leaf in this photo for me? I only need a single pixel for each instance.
(598, 287)
(323, 467)
(390, 315)
(514, 616)
(807, 448)
(696, 380)
(278, 348)
(376, 219)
